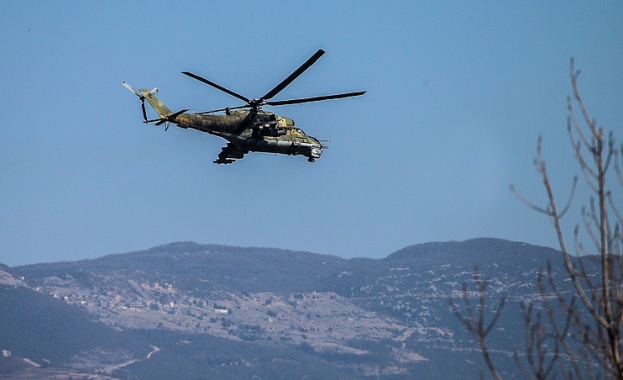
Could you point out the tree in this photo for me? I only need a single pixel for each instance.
(475, 324)
(594, 153)
(596, 324)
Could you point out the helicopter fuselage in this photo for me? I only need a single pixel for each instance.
(256, 131)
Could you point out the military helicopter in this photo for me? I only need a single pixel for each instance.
(247, 128)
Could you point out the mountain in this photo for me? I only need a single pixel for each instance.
(38, 330)
(187, 310)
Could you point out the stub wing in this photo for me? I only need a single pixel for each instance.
(230, 154)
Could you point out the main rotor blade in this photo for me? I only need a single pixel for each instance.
(294, 75)
(315, 99)
(224, 109)
(228, 91)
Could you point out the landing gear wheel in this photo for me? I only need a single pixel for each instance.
(311, 159)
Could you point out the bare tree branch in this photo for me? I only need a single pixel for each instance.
(475, 325)
(603, 299)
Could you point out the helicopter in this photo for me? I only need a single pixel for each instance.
(247, 128)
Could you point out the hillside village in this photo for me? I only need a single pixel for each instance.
(323, 320)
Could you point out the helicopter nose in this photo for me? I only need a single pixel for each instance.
(316, 152)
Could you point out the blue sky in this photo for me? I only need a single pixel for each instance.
(457, 94)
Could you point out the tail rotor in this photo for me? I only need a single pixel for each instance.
(141, 97)
(166, 116)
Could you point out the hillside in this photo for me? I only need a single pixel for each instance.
(39, 332)
(243, 312)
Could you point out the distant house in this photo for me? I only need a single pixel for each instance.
(135, 306)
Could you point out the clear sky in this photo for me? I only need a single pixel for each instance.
(457, 94)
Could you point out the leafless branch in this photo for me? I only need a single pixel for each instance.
(602, 222)
(475, 325)
(539, 164)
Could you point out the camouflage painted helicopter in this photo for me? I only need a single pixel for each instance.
(247, 128)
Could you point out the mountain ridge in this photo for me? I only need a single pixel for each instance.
(361, 317)
(192, 246)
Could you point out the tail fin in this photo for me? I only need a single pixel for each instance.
(166, 116)
(160, 108)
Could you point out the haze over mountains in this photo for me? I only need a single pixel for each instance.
(187, 310)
